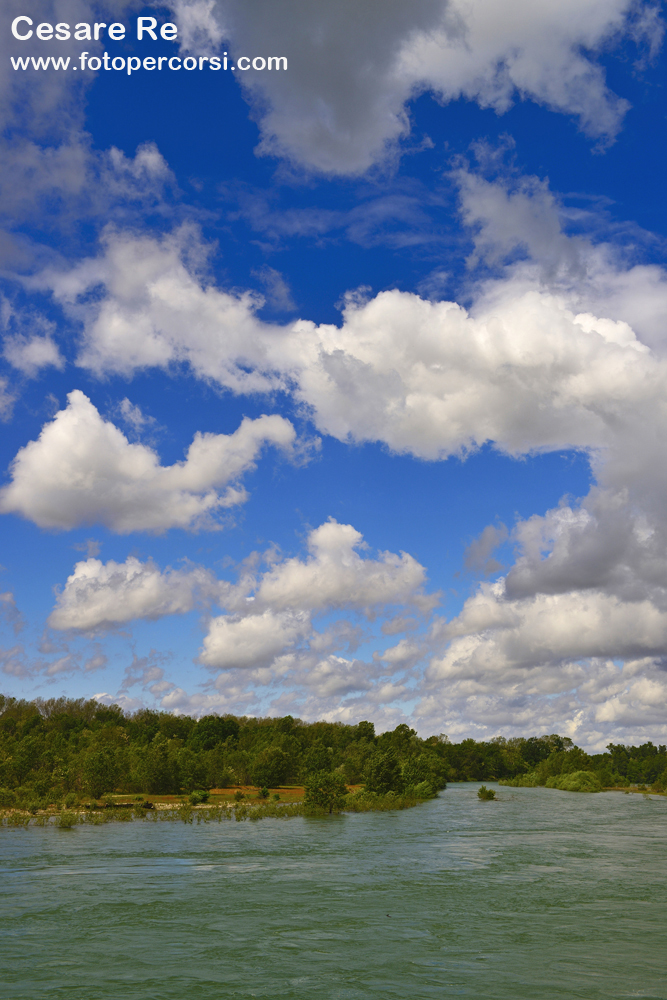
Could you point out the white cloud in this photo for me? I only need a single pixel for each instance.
(498, 638)
(30, 354)
(335, 575)
(528, 367)
(341, 106)
(251, 642)
(101, 594)
(271, 615)
(82, 469)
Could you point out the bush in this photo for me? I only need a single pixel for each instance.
(263, 793)
(67, 820)
(70, 800)
(325, 790)
(276, 797)
(238, 795)
(578, 781)
(7, 798)
(486, 794)
(424, 790)
(196, 798)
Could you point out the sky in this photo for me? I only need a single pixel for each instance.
(333, 381)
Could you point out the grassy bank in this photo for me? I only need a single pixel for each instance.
(165, 809)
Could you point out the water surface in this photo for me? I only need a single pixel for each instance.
(543, 894)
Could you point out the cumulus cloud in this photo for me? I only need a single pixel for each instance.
(253, 641)
(527, 367)
(271, 614)
(336, 575)
(583, 661)
(101, 594)
(341, 107)
(30, 354)
(83, 470)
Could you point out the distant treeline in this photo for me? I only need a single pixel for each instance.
(61, 748)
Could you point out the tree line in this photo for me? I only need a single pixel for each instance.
(60, 748)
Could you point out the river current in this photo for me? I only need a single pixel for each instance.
(542, 894)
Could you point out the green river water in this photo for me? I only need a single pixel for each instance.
(543, 894)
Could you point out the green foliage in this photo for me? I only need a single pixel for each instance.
(270, 767)
(7, 798)
(383, 772)
(486, 794)
(325, 790)
(197, 797)
(365, 801)
(69, 749)
(66, 820)
(576, 781)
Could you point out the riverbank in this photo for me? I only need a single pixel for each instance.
(221, 807)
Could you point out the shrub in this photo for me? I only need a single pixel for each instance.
(577, 781)
(238, 795)
(66, 820)
(486, 794)
(197, 797)
(325, 790)
(424, 790)
(263, 793)
(7, 798)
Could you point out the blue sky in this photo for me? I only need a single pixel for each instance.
(339, 390)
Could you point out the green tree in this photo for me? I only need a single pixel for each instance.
(270, 768)
(98, 770)
(383, 772)
(318, 758)
(326, 790)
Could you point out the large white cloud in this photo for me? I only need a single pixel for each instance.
(527, 367)
(341, 106)
(83, 470)
(101, 594)
(254, 641)
(270, 614)
(336, 575)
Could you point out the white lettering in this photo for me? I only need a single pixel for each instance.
(146, 28)
(15, 25)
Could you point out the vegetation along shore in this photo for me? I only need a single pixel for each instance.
(70, 761)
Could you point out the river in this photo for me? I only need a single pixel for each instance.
(541, 894)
